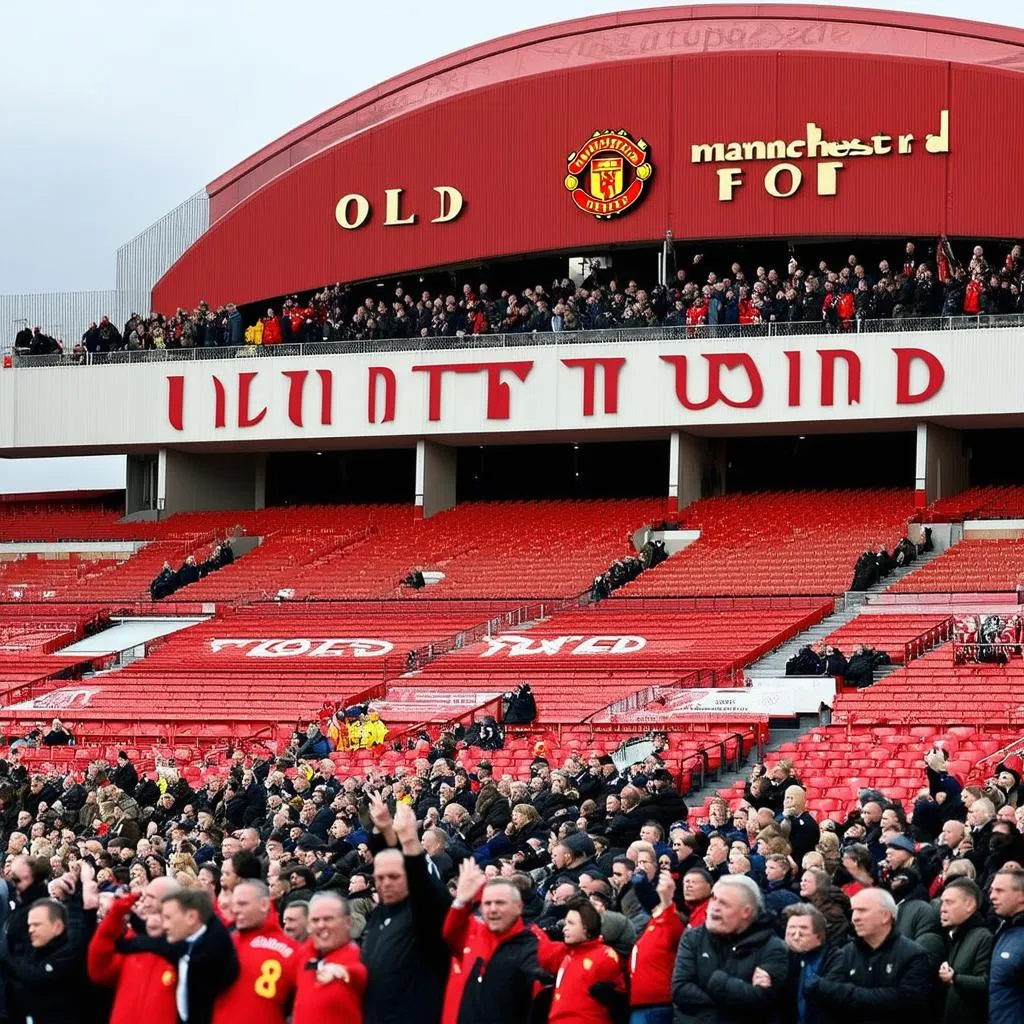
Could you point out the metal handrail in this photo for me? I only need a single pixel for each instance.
(633, 335)
(929, 639)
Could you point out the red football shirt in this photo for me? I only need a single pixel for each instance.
(268, 962)
(337, 1000)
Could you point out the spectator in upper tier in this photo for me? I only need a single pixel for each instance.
(59, 735)
(812, 296)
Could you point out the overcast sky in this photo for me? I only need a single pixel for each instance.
(115, 112)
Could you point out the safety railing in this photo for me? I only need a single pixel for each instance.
(533, 612)
(929, 639)
(433, 728)
(618, 335)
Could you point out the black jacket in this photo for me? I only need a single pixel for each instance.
(212, 968)
(804, 834)
(711, 981)
(50, 983)
(666, 807)
(405, 954)
(501, 991)
(125, 777)
(874, 986)
(17, 942)
(801, 972)
(969, 954)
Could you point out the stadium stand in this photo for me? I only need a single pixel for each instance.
(884, 631)
(971, 565)
(780, 543)
(579, 662)
(524, 550)
(1005, 502)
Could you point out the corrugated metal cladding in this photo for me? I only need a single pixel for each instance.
(626, 36)
(63, 315)
(140, 264)
(148, 256)
(512, 176)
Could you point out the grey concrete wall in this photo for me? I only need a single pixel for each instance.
(941, 462)
(696, 468)
(435, 478)
(196, 483)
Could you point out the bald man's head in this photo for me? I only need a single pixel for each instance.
(390, 878)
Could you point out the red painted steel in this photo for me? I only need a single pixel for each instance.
(505, 148)
(628, 35)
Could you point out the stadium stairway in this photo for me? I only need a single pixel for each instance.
(773, 664)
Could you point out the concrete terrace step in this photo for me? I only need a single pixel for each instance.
(773, 664)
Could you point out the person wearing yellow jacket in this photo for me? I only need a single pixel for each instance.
(254, 334)
(354, 734)
(373, 732)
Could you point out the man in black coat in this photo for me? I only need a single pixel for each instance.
(880, 977)
(734, 967)
(663, 803)
(29, 876)
(203, 951)
(49, 978)
(964, 972)
(402, 946)
(811, 954)
(188, 573)
(123, 774)
(804, 832)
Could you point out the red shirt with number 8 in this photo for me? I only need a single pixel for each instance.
(268, 962)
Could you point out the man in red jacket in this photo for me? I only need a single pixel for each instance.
(654, 958)
(144, 982)
(331, 981)
(494, 960)
(267, 961)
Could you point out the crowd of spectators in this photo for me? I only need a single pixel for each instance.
(582, 893)
(167, 581)
(625, 570)
(916, 283)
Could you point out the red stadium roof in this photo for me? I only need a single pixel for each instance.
(521, 54)
(403, 180)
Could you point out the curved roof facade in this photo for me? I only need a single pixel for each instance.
(757, 121)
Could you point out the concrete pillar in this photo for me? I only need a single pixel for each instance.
(140, 484)
(188, 482)
(435, 479)
(696, 469)
(940, 464)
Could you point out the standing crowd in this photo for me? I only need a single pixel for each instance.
(292, 890)
(915, 283)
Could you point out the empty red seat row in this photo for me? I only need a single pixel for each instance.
(779, 543)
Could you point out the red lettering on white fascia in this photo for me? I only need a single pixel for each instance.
(294, 647)
(516, 646)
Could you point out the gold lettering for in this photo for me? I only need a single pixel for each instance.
(830, 154)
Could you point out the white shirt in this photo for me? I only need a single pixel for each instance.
(181, 992)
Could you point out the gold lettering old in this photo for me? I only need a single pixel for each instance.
(353, 210)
